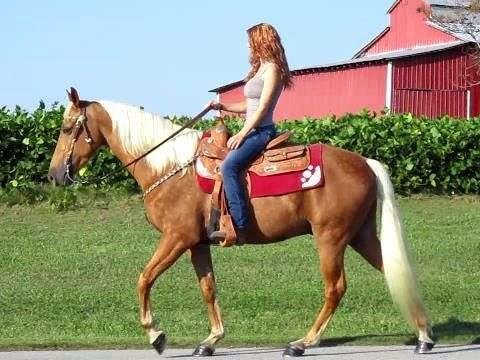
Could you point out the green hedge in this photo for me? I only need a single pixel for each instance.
(27, 145)
(424, 156)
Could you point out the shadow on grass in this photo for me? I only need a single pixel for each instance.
(458, 327)
(448, 329)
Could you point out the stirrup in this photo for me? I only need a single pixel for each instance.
(217, 236)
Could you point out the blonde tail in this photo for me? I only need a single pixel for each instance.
(399, 273)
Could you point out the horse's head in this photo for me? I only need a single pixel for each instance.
(79, 139)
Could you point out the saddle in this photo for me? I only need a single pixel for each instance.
(278, 157)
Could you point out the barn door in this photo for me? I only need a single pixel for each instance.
(432, 103)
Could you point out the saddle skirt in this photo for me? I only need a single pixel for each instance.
(277, 171)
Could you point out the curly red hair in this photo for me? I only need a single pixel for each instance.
(266, 45)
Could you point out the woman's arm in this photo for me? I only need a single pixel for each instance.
(238, 107)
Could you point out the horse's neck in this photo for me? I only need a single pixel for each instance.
(131, 133)
(142, 173)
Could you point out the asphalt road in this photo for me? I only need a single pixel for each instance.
(440, 352)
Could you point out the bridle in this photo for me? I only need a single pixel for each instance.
(80, 124)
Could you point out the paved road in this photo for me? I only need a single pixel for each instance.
(441, 352)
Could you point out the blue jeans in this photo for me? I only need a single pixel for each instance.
(233, 168)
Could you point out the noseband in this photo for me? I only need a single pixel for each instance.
(80, 124)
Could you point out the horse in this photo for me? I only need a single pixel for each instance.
(341, 213)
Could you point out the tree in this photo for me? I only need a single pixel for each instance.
(461, 18)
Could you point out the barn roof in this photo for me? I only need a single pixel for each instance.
(394, 5)
(350, 63)
(386, 56)
(450, 3)
(371, 42)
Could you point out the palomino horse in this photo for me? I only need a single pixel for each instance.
(341, 213)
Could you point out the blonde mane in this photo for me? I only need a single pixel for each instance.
(138, 131)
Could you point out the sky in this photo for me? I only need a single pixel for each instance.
(163, 55)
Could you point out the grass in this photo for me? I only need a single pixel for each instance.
(68, 280)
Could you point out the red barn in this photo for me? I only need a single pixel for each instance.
(412, 66)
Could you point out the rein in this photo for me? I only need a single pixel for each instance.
(80, 123)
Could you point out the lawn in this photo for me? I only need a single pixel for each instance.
(68, 280)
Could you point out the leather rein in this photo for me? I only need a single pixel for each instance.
(80, 124)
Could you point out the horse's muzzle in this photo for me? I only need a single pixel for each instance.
(59, 176)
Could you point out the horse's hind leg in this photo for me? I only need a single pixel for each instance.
(202, 262)
(331, 247)
(168, 251)
(366, 241)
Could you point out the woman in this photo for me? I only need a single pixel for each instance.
(268, 76)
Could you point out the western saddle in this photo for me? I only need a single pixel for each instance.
(279, 157)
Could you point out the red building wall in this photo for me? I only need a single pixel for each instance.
(408, 30)
(336, 92)
(432, 85)
(232, 95)
(474, 81)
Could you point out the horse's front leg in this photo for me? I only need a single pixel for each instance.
(168, 251)
(202, 262)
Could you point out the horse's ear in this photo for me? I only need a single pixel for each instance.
(73, 96)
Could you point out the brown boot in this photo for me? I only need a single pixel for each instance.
(241, 238)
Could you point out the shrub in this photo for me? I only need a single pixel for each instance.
(424, 156)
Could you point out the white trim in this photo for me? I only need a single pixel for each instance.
(469, 104)
(432, 47)
(389, 87)
(461, 37)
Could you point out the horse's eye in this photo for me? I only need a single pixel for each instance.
(66, 129)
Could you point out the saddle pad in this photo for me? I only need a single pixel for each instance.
(275, 185)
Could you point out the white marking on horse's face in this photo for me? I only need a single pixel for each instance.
(66, 113)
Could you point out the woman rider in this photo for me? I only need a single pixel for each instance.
(268, 76)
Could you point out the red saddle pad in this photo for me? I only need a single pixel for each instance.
(275, 185)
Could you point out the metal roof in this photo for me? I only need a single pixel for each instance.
(449, 3)
(393, 6)
(348, 63)
(373, 41)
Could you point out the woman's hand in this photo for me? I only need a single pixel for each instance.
(215, 105)
(236, 140)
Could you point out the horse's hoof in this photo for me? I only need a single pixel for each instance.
(160, 342)
(203, 350)
(423, 347)
(293, 351)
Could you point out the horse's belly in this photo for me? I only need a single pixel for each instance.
(278, 218)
